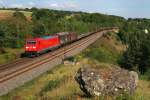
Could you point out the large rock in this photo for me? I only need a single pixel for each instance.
(112, 82)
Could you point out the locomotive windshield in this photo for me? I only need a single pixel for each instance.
(31, 42)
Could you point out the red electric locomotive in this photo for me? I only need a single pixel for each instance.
(40, 45)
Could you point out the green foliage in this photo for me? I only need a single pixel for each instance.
(3, 31)
(4, 58)
(102, 54)
(56, 21)
(13, 30)
(137, 56)
(132, 33)
(17, 28)
(146, 76)
(41, 13)
(38, 30)
(52, 84)
(124, 96)
(20, 15)
(6, 37)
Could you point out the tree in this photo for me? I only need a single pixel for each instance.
(137, 56)
(2, 34)
(38, 29)
(39, 14)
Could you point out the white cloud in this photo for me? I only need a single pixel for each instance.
(67, 6)
(49, 4)
(70, 5)
(113, 10)
(55, 5)
(17, 6)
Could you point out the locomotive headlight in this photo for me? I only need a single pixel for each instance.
(34, 47)
(27, 47)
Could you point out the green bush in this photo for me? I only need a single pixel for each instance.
(102, 55)
(9, 56)
(125, 96)
(146, 76)
(52, 84)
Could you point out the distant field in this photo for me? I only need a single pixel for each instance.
(4, 14)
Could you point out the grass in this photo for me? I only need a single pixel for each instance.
(27, 14)
(42, 84)
(59, 84)
(10, 55)
(143, 90)
(52, 84)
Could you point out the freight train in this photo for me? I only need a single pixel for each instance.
(37, 46)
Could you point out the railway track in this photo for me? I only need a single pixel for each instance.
(13, 64)
(51, 55)
(19, 62)
(7, 74)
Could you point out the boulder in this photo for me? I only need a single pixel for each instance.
(102, 81)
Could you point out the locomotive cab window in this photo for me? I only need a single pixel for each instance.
(31, 42)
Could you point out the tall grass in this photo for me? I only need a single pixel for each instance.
(52, 84)
(102, 55)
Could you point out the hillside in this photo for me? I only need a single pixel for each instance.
(59, 83)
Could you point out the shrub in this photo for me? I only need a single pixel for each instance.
(124, 96)
(51, 85)
(102, 55)
(147, 74)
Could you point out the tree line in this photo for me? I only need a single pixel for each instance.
(135, 34)
(17, 28)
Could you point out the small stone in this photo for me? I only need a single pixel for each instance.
(116, 89)
(92, 73)
(97, 93)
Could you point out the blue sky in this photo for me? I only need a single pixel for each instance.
(125, 8)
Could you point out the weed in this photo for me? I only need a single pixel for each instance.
(52, 84)
(102, 55)
(124, 96)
